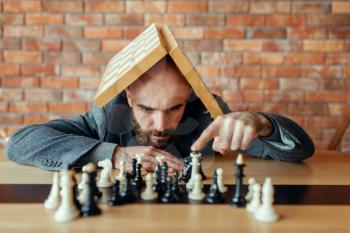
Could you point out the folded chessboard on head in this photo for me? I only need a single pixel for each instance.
(139, 56)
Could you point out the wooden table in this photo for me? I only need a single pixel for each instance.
(324, 168)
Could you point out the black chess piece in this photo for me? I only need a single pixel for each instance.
(116, 199)
(169, 195)
(176, 187)
(128, 195)
(200, 170)
(158, 188)
(137, 181)
(75, 194)
(186, 172)
(91, 208)
(238, 199)
(214, 194)
(164, 173)
(134, 170)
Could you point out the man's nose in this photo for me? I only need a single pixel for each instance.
(159, 121)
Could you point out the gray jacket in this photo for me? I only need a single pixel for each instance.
(93, 136)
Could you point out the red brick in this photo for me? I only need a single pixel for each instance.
(209, 71)
(44, 19)
(253, 96)
(308, 109)
(26, 107)
(62, 58)
(10, 43)
(283, 96)
(317, 121)
(89, 83)
(268, 33)
(205, 20)
(80, 70)
(242, 71)
(263, 58)
(216, 84)
(309, 33)
(319, 71)
(224, 33)
(81, 45)
(41, 44)
(22, 6)
(83, 19)
(333, 84)
(285, 20)
(346, 71)
(262, 84)
(221, 58)
(35, 119)
(63, 32)
(103, 32)
(104, 6)
(310, 7)
(202, 45)
(63, 6)
(42, 94)
(188, 32)
(339, 33)
(10, 119)
(182, 6)
(243, 45)
(304, 58)
(245, 20)
(137, 6)
(79, 95)
(114, 45)
(326, 96)
(228, 6)
(281, 71)
(67, 107)
(9, 69)
(23, 31)
(11, 94)
(20, 82)
(327, 20)
(3, 106)
(298, 84)
(262, 7)
(323, 45)
(232, 96)
(340, 7)
(132, 32)
(336, 109)
(97, 58)
(44, 69)
(125, 19)
(59, 82)
(9, 18)
(282, 45)
(22, 57)
(173, 19)
(337, 58)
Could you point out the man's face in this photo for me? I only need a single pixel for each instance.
(158, 101)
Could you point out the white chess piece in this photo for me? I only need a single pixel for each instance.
(122, 167)
(67, 210)
(266, 212)
(255, 202)
(54, 198)
(251, 182)
(221, 186)
(149, 194)
(194, 172)
(84, 178)
(197, 194)
(159, 159)
(105, 175)
(139, 158)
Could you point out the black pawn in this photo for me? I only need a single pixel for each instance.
(164, 173)
(134, 164)
(128, 195)
(91, 208)
(214, 195)
(238, 199)
(137, 182)
(176, 187)
(157, 183)
(116, 198)
(169, 196)
(94, 189)
(186, 172)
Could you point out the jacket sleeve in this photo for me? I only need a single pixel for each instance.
(60, 144)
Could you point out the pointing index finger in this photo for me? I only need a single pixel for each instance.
(209, 133)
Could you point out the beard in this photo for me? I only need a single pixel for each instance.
(144, 136)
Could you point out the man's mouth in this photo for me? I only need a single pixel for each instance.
(160, 138)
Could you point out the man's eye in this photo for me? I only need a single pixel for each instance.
(146, 109)
(174, 109)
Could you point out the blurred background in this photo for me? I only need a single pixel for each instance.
(285, 57)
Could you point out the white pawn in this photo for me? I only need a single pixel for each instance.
(251, 182)
(54, 198)
(84, 178)
(194, 172)
(266, 212)
(197, 194)
(221, 186)
(67, 210)
(149, 194)
(122, 167)
(105, 175)
(255, 202)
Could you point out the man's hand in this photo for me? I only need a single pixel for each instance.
(234, 131)
(149, 157)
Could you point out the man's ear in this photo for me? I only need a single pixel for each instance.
(128, 96)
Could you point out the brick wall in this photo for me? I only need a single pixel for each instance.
(286, 57)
